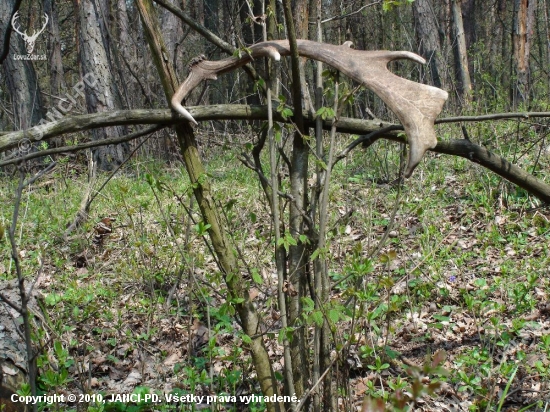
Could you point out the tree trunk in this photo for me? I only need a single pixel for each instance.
(468, 8)
(461, 55)
(57, 80)
(495, 36)
(101, 94)
(428, 39)
(297, 259)
(20, 76)
(217, 232)
(301, 22)
(524, 17)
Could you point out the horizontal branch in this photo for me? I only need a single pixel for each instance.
(494, 116)
(460, 147)
(82, 146)
(478, 154)
(473, 152)
(9, 140)
(85, 122)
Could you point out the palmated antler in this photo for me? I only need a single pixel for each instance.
(415, 104)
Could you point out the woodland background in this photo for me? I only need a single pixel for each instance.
(432, 292)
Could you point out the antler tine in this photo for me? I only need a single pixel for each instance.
(189, 84)
(201, 69)
(273, 53)
(415, 104)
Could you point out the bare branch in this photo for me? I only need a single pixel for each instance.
(204, 32)
(87, 145)
(8, 302)
(71, 124)
(359, 10)
(494, 116)
(460, 147)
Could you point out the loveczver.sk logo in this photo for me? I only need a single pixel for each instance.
(30, 41)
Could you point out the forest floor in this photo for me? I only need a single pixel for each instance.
(465, 270)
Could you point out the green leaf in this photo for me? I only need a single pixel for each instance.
(391, 353)
(315, 254)
(256, 277)
(318, 318)
(290, 239)
(259, 84)
(246, 339)
(201, 228)
(149, 179)
(441, 318)
(287, 113)
(321, 164)
(333, 315)
(229, 205)
(308, 303)
(53, 299)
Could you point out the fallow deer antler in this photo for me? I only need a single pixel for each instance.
(415, 104)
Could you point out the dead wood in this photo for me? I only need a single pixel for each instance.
(458, 147)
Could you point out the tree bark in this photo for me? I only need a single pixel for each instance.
(103, 95)
(495, 36)
(221, 243)
(461, 55)
(297, 259)
(428, 39)
(524, 17)
(57, 80)
(470, 19)
(20, 76)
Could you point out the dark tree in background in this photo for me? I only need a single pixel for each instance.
(427, 33)
(491, 56)
(23, 90)
(96, 58)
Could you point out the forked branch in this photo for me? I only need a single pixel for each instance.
(416, 105)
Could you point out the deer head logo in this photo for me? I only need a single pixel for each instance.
(29, 40)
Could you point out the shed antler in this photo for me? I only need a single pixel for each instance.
(415, 104)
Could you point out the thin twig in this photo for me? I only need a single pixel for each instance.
(82, 146)
(359, 10)
(8, 302)
(21, 280)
